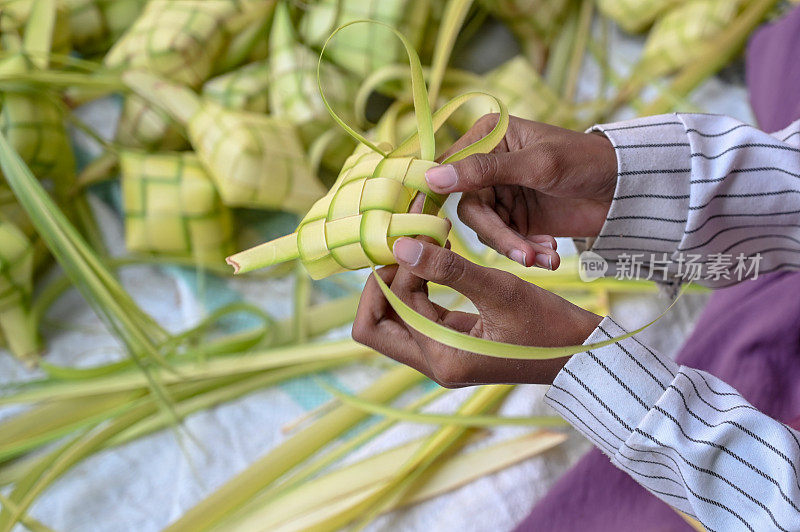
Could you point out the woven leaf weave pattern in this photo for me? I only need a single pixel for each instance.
(16, 267)
(172, 207)
(356, 223)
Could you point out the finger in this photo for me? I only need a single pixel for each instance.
(547, 241)
(475, 172)
(538, 166)
(479, 129)
(417, 203)
(433, 263)
(495, 233)
(377, 326)
(372, 306)
(406, 284)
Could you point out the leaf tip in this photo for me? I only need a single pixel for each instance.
(236, 267)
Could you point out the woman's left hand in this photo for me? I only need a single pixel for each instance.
(509, 310)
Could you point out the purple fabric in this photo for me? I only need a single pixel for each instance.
(748, 336)
(773, 72)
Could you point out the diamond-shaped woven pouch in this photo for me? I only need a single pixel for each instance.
(517, 84)
(635, 15)
(364, 49)
(143, 125)
(176, 39)
(676, 39)
(293, 91)
(254, 159)
(172, 207)
(543, 17)
(245, 88)
(15, 14)
(179, 41)
(96, 24)
(34, 126)
(357, 222)
(32, 119)
(16, 286)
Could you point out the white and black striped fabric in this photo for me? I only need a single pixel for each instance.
(710, 185)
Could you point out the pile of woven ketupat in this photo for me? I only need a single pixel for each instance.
(229, 109)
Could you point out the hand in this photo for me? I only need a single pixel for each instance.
(509, 310)
(541, 181)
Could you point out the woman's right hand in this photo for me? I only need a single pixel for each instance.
(540, 182)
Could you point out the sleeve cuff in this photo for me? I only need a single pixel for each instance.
(648, 214)
(605, 393)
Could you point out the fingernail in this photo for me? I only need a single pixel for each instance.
(408, 250)
(442, 178)
(543, 260)
(547, 244)
(517, 255)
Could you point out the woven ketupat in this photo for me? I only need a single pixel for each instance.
(254, 159)
(524, 92)
(31, 119)
(180, 41)
(676, 38)
(173, 208)
(248, 44)
(16, 267)
(540, 18)
(364, 48)
(245, 88)
(16, 286)
(636, 15)
(357, 222)
(96, 24)
(257, 161)
(294, 92)
(15, 14)
(34, 126)
(142, 125)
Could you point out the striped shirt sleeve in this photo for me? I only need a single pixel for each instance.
(710, 185)
(701, 197)
(686, 436)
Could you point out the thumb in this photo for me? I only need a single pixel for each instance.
(475, 172)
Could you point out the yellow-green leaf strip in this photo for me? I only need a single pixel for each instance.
(482, 346)
(420, 95)
(415, 416)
